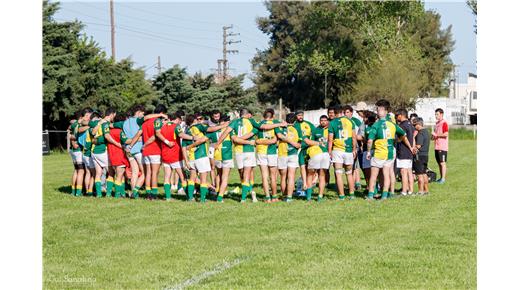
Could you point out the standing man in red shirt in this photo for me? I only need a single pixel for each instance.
(171, 152)
(440, 137)
(117, 156)
(152, 152)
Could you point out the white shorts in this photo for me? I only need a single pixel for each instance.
(404, 163)
(101, 159)
(224, 163)
(201, 165)
(320, 161)
(288, 161)
(89, 162)
(270, 160)
(77, 157)
(138, 157)
(366, 162)
(379, 163)
(245, 159)
(173, 165)
(211, 152)
(152, 159)
(342, 157)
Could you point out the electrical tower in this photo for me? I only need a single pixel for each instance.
(222, 64)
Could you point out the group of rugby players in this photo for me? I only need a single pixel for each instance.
(114, 152)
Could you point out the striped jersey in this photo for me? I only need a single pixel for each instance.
(292, 133)
(225, 150)
(241, 127)
(321, 135)
(384, 133)
(201, 151)
(267, 134)
(342, 129)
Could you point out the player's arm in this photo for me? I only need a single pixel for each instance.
(266, 141)
(151, 116)
(136, 138)
(329, 142)
(111, 140)
(311, 142)
(197, 143)
(240, 141)
(222, 137)
(354, 143)
(149, 141)
(217, 127)
(160, 136)
(269, 126)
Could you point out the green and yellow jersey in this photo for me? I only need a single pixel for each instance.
(225, 150)
(384, 133)
(305, 128)
(321, 135)
(292, 133)
(100, 145)
(342, 129)
(74, 132)
(87, 149)
(241, 127)
(267, 134)
(201, 151)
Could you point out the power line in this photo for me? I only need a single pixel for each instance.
(131, 29)
(147, 20)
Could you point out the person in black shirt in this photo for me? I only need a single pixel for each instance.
(404, 154)
(420, 150)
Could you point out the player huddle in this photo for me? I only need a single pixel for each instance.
(113, 152)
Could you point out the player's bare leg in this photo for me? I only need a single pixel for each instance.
(291, 172)
(338, 172)
(274, 176)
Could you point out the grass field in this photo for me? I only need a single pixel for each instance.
(411, 242)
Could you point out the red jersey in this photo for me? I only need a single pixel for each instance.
(115, 154)
(148, 132)
(174, 153)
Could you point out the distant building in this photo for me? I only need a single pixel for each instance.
(460, 107)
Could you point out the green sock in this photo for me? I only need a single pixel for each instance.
(245, 189)
(203, 192)
(308, 193)
(274, 196)
(320, 198)
(341, 197)
(121, 190)
(148, 191)
(371, 194)
(136, 192)
(97, 184)
(155, 191)
(220, 198)
(167, 190)
(385, 194)
(89, 193)
(110, 185)
(191, 188)
(78, 191)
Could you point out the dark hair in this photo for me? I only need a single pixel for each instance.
(244, 111)
(268, 113)
(110, 111)
(160, 109)
(171, 116)
(418, 120)
(197, 114)
(119, 118)
(338, 109)
(330, 108)
(137, 108)
(413, 115)
(383, 103)
(214, 112)
(439, 110)
(95, 114)
(371, 118)
(178, 115)
(290, 118)
(86, 111)
(189, 119)
(324, 117)
(401, 112)
(224, 118)
(348, 108)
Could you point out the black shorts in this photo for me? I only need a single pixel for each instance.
(420, 164)
(441, 156)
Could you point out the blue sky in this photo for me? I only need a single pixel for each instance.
(190, 33)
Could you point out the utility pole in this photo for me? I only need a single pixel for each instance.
(112, 30)
(223, 66)
(159, 65)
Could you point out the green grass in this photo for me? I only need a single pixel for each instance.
(412, 242)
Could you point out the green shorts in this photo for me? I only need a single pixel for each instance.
(302, 157)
